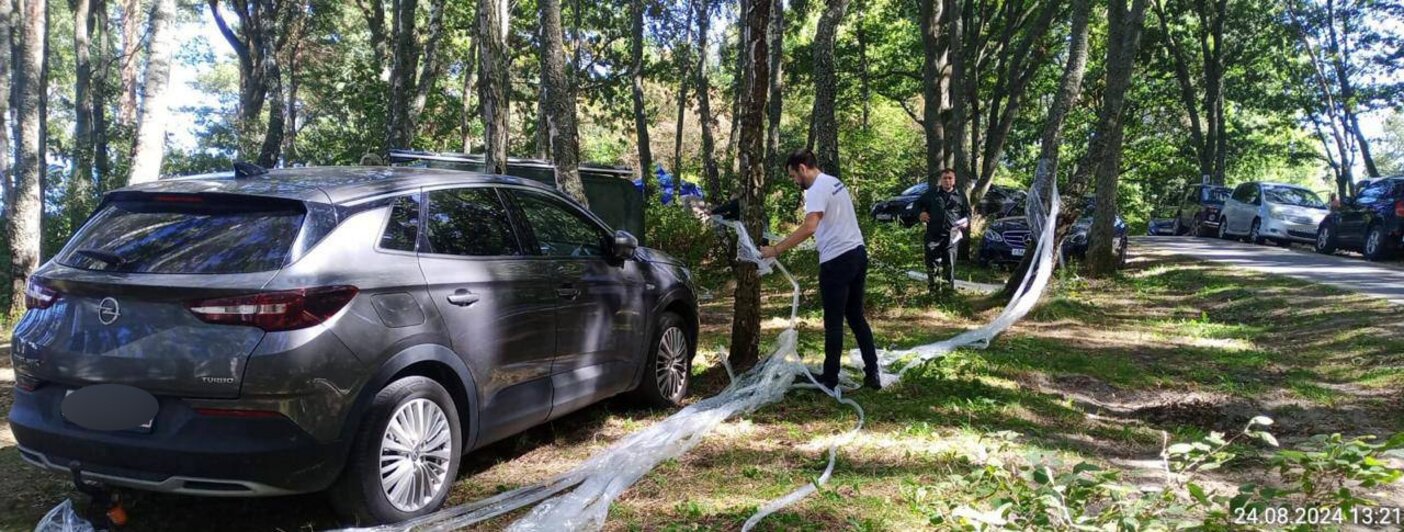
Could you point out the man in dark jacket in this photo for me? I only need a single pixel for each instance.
(946, 213)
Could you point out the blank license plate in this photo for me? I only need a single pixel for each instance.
(884, 217)
(1017, 252)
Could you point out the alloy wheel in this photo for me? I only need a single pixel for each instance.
(671, 370)
(1372, 243)
(415, 453)
(1253, 234)
(1323, 238)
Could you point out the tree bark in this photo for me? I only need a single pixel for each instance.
(1340, 61)
(684, 75)
(1069, 89)
(825, 123)
(494, 81)
(470, 81)
(640, 112)
(1123, 38)
(80, 187)
(745, 327)
(775, 108)
(249, 44)
(7, 20)
(933, 68)
(560, 104)
(403, 64)
(955, 28)
(1187, 93)
(150, 144)
(102, 90)
(430, 68)
(132, 16)
(711, 180)
(26, 209)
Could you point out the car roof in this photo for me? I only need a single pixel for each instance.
(334, 184)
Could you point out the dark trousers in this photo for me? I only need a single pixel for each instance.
(841, 283)
(940, 254)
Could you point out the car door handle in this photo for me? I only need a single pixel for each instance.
(463, 298)
(568, 292)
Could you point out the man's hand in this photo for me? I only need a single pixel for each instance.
(925, 218)
(769, 252)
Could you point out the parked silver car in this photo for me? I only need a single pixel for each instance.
(1262, 212)
(355, 330)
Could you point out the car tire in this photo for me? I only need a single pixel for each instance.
(1223, 230)
(1326, 240)
(1255, 234)
(1180, 229)
(361, 494)
(668, 368)
(1378, 246)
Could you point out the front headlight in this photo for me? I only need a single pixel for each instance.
(993, 236)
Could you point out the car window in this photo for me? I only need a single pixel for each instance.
(1293, 196)
(1240, 194)
(560, 231)
(185, 233)
(1215, 194)
(402, 230)
(1254, 195)
(470, 222)
(913, 190)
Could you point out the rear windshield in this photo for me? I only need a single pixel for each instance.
(1215, 194)
(187, 234)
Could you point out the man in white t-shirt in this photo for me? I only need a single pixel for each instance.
(843, 263)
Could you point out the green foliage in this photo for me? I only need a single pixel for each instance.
(1040, 492)
(675, 230)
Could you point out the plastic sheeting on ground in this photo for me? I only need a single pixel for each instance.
(580, 499)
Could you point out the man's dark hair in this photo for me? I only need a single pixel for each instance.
(801, 156)
(945, 171)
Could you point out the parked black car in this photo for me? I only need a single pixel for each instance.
(1006, 240)
(900, 208)
(1372, 222)
(356, 330)
(1201, 210)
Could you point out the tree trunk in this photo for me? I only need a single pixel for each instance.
(493, 81)
(1123, 37)
(268, 153)
(403, 65)
(132, 16)
(640, 113)
(290, 110)
(26, 209)
(864, 89)
(684, 73)
(1187, 93)
(80, 187)
(470, 80)
(775, 108)
(7, 20)
(745, 325)
(150, 144)
(933, 68)
(826, 87)
(955, 29)
(711, 180)
(102, 90)
(560, 104)
(430, 68)
(1069, 88)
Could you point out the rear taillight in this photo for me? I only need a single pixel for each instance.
(276, 311)
(1399, 208)
(38, 296)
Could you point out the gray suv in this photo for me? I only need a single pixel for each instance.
(355, 330)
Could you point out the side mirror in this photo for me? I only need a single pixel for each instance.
(624, 245)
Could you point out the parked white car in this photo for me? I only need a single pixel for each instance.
(1263, 212)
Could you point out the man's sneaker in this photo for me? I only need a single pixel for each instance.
(872, 382)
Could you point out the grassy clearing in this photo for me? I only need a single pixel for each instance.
(1098, 373)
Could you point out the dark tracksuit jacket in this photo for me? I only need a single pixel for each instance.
(945, 209)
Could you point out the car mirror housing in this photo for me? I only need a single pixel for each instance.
(625, 244)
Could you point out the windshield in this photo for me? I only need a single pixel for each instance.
(915, 189)
(1216, 194)
(1293, 196)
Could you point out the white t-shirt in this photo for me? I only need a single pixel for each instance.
(838, 230)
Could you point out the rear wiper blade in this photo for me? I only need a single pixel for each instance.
(109, 258)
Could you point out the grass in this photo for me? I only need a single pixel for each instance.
(1098, 372)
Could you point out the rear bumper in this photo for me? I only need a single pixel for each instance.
(185, 452)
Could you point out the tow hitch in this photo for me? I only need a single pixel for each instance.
(105, 510)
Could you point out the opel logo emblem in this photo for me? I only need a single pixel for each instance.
(108, 311)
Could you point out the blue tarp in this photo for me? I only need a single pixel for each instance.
(670, 187)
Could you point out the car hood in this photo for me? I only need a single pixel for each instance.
(654, 256)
